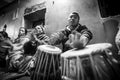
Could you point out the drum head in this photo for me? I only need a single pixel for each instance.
(89, 49)
(50, 49)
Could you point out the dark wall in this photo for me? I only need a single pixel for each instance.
(109, 8)
(111, 29)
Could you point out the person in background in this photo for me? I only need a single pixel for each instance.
(24, 48)
(37, 37)
(16, 56)
(22, 34)
(16, 59)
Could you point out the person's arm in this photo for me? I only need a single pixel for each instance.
(19, 46)
(59, 37)
(86, 36)
(42, 39)
(84, 40)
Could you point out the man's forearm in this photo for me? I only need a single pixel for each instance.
(84, 40)
(57, 38)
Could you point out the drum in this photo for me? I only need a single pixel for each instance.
(94, 62)
(47, 63)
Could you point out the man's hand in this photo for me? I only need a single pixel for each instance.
(77, 40)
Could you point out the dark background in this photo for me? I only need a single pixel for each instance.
(109, 7)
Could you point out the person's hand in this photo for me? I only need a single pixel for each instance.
(75, 40)
(74, 36)
(33, 37)
(84, 40)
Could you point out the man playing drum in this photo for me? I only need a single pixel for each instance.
(73, 26)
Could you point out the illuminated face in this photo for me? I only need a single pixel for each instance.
(22, 31)
(39, 29)
(73, 19)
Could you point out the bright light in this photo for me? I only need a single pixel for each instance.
(61, 1)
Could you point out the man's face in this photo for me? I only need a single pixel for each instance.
(39, 29)
(73, 20)
(22, 31)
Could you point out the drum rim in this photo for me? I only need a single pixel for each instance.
(46, 48)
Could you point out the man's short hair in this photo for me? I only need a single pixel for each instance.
(76, 14)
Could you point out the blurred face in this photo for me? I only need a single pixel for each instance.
(73, 20)
(39, 29)
(22, 31)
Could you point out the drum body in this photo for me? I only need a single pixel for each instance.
(92, 63)
(47, 63)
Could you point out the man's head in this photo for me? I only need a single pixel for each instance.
(73, 19)
(39, 29)
(22, 31)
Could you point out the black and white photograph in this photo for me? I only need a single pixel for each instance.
(59, 40)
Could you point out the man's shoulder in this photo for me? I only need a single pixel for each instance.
(81, 27)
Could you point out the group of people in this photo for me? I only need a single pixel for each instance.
(15, 54)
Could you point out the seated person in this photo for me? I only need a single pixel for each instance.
(16, 59)
(37, 37)
(21, 35)
(16, 56)
(25, 47)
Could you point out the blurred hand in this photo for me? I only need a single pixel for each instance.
(35, 36)
(76, 40)
(75, 36)
(84, 40)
